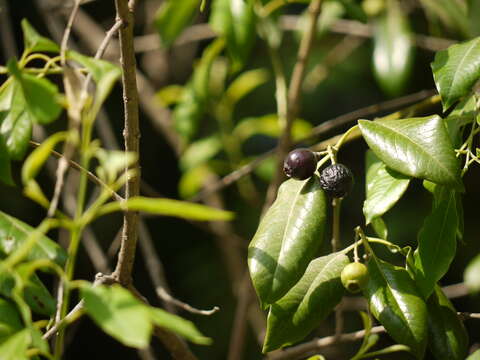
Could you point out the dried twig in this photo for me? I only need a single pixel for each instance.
(131, 133)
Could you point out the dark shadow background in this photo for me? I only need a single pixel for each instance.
(194, 266)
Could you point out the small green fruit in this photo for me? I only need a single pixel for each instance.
(354, 277)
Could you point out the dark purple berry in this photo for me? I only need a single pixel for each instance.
(336, 180)
(300, 164)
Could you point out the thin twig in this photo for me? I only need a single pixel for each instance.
(131, 133)
(66, 33)
(316, 344)
(91, 176)
(293, 98)
(164, 295)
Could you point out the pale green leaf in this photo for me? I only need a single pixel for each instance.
(169, 95)
(172, 17)
(198, 152)
(15, 347)
(472, 275)
(34, 42)
(117, 312)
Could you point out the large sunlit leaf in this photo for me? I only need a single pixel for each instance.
(13, 233)
(397, 305)
(447, 336)
(437, 242)
(384, 188)
(417, 147)
(117, 312)
(393, 50)
(235, 20)
(472, 275)
(168, 207)
(456, 70)
(172, 17)
(306, 304)
(34, 42)
(287, 238)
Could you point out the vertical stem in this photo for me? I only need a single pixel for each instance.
(131, 134)
(293, 97)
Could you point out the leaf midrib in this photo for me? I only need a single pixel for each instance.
(439, 164)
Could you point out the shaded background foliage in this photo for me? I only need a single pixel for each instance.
(193, 261)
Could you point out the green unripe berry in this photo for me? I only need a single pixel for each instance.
(354, 277)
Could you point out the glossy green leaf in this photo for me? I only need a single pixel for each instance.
(456, 70)
(437, 242)
(307, 303)
(168, 207)
(37, 158)
(393, 50)
(200, 151)
(397, 305)
(15, 347)
(14, 232)
(417, 147)
(34, 42)
(448, 338)
(172, 17)
(103, 72)
(39, 94)
(178, 325)
(474, 356)
(287, 238)
(384, 188)
(472, 275)
(117, 312)
(235, 20)
(10, 321)
(451, 12)
(269, 125)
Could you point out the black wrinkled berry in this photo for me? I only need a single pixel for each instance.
(300, 164)
(336, 180)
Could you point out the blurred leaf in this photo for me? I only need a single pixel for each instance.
(113, 162)
(168, 207)
(15, 347)
(192, 180)
(380, 227)
(201, 74)
(5, 170)
(307, 303)
(280, 252)
(34, 42)
(474, 15)
(393, 51)
(10, 321)
(471, 275)
(397, 305)
(33, 191)
(448, 338)
(14, 232)
(34, 162)
(235, 20)
(388, 350)
(35, 293)
(269, 125)
(474, 356)
(200, 151)
(266, 169)
(172, 17)
(384, 188)
(40, 95)
(117, 312)
(169, 95)
(417, 147)
(104, 73)
(456, 70)
(331, 12)
(436, 243)
(244, 84)
(452, 13)
(354, 10)
(369, 340)
(178, 325)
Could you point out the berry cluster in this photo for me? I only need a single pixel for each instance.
(336, 180)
